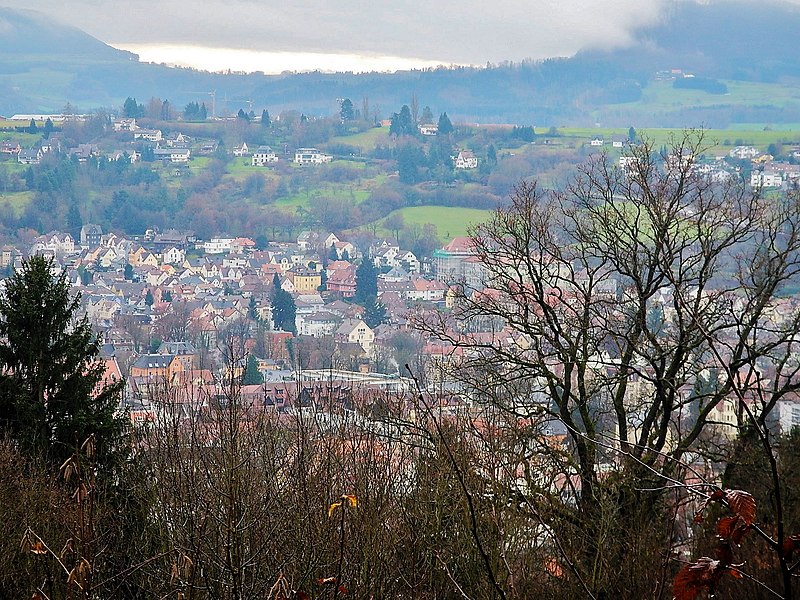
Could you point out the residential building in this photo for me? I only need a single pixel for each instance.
(310, 156)
(449, 260)
(242, 150)
(125, 125)
(173, 155)
(263, 156)
(355, 331)
(218, 245)
(30, 157)
(305, 280)
(91, 235)
(465, 160)
(149, 135)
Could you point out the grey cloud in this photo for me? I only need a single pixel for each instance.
(458, 31)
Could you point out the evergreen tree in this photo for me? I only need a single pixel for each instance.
(131, 109)
(51, 393)
(374, 312)
(284, 311)
(265, 120)
(445, 126)
(85, 275)
(167, 296)
(346, 113)
(402, 123)
(128, 272)
(491, 155)
(252, 376)
(74, 221)
(366, 281)
(251, 309)
(632, 135)
(427, 115)
(148, 298)
(48, 128)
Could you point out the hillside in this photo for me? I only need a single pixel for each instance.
(46, 64)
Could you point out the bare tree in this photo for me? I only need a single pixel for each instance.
(603, 307)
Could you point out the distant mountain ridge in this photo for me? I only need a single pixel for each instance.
(46, 64)
(28, 32)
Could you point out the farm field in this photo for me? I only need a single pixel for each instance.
(718, 140)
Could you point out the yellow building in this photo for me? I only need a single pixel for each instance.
(305, 282)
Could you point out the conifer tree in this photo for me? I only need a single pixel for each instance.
(52, 395)
(366, 281)
(284, 311)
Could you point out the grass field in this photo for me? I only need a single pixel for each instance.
(718, 140)
(16, 200)
(449, 221)
(365, 140)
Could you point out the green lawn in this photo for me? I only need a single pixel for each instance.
(450, 221)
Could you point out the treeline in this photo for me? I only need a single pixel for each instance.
(712, 86)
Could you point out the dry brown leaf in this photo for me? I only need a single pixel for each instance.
(695, 578)
(742, 504)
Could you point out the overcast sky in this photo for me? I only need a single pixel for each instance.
(445, 31)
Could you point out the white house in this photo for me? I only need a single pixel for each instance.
(310, 156)
(318, 324)
(426, 290)
(58, 243)
(628, 163)
(263, 156)
(242, 150)
(30, 157)
(744, 152)
(597, 141)
(428, 129)
(173, 256)
(465, 160)
(766, 179)
(173, 155)
(218, 245)
(150, 135)
(125, 125)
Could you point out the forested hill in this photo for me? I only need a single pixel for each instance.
(45, 64)
(737, 39)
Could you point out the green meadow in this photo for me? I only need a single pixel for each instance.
(450, 221)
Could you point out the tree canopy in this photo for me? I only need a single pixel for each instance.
(402, 123)
(53, 390)
(283, 310)
(366, 281)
